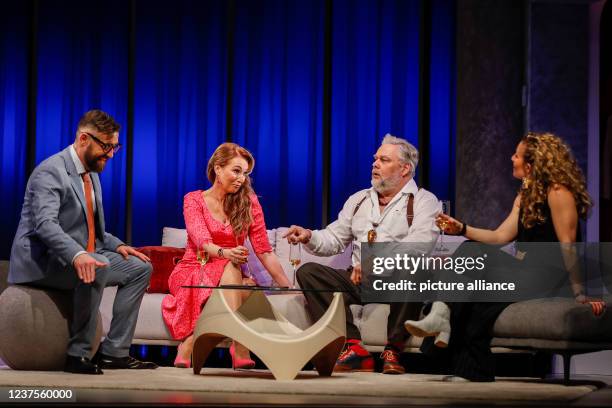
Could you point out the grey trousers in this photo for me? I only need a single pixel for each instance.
(131, 276)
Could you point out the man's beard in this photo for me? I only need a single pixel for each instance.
(94, 163)
(386, 184)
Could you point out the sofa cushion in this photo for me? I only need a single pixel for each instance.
(258, 272)
(554, 319)
(150, 327)
(177, 237)
(174, 237)
(163, 260)
(293, 307)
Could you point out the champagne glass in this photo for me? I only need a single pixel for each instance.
(446, 205)
(202, 258)
(295, 257)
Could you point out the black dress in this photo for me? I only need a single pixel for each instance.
(472, 324)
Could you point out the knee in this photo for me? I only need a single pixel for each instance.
(100, 258)
(307, 270)
(232, 274)
(145, 269)
(102, 276)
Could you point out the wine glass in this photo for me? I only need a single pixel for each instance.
(295, 257)
(446, 209)
(202, 257)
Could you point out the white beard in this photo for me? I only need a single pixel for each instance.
(384, 185)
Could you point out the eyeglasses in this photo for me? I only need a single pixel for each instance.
(106, 147)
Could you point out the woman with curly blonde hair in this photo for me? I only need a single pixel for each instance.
(547, 208)
(550, 173)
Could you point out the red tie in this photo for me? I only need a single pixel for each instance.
(91, 239)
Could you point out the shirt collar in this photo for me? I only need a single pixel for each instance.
(410, 187)
(77, 162)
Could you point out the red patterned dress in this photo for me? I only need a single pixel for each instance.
(182, 307)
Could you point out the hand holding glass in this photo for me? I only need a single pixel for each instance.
(442, 224)
(202, 257)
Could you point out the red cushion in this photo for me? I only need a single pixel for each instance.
(163, 259)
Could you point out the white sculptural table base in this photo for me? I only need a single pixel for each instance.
(282, 347)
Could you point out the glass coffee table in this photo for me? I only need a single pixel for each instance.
(281, 346)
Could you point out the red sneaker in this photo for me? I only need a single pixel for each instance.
(354, 358)
(391, 363)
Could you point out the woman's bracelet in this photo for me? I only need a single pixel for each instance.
(220, 253)
(463, 229)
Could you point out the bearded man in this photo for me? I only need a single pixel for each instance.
(61, 243)
(394, 209)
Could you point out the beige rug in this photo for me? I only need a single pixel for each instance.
(307, 383)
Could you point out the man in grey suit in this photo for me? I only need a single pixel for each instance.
(61, 243)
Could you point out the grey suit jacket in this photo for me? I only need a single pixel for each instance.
(53, 225)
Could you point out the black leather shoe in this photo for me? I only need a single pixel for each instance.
(111, 363)
(81, 365)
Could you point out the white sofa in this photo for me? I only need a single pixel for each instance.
(150, 329)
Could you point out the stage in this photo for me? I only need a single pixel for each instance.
(226, 387)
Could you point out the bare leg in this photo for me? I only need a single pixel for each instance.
(233, 276)
(186, 347)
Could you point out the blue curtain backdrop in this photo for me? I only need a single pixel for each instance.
(179, 117)
(256, 66)
(278, 104)
(82, 64)
(375, 86)
(14, 21)
(441, 100)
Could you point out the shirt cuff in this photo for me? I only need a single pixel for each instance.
(75, 256)
(314, 241)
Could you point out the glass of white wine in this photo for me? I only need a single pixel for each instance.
(446, 209)
(202, 258)
(295, 257)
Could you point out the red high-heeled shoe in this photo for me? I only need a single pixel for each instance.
(244, 363)
(181, 362)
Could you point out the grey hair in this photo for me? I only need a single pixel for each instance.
(408, 153)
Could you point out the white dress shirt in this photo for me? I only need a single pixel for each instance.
(392, 223)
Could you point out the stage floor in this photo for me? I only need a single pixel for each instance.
(225, 387)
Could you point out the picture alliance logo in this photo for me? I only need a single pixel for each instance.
(411, 264)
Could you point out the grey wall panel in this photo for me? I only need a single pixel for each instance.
(490, 64)
(558, 73)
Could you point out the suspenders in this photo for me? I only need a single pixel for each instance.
(409, 208)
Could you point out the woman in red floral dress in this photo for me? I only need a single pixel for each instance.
(218, 220)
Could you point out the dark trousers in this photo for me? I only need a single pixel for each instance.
(316, 276)
(469, 349)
